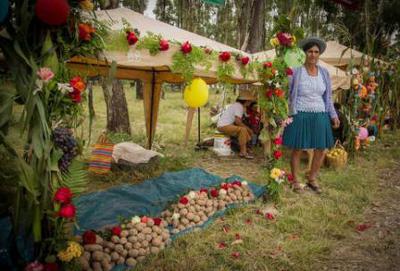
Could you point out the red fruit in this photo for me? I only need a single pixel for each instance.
(184, 200)
(214, 193)
(144, 219)
(238, 183)
(116, 230)
(204, 190)
(89, 238)
(67, 211)
(269, 216)
(245, 60)
(277, 154)
(289, 72)
(267, 64)
(132, 38)
(157, 221)
(225, 186)
(164, 45)
(50, 267)
(63, 195)
(224, 56)
(52, 12)
(186, 47)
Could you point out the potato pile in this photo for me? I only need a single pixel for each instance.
(196, 207)
(135, 241)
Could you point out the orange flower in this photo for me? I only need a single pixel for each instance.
(86, 31)
(77, 83)
(279, 93)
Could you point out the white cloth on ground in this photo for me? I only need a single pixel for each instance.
(133, 153)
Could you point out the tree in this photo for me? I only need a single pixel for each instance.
(257, 27)
(165, 11)
(136, 5)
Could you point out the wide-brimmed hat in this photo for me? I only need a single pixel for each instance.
(246, 95)
(321, 44)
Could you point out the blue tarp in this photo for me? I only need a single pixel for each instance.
(150, 198)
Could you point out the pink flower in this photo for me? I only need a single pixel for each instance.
(45, 74)
(67, 211)
(63, 195)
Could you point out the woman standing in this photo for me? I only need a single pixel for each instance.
(311, 106)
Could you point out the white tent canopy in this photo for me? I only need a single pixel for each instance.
(339, 78)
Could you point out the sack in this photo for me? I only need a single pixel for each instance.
(101, 158)
(337, 156)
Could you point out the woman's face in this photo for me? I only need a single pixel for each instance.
(312, 55)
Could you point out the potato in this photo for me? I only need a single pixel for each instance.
(84, 263)
(192, 209)
(157, 241)
(121, 260)
(137, 245)
(175, 223)
(141, 237)
(201, 202)
(131, 262)
(184, 221)
(154, 234)
(123, 240)
(196, 218)
(119, 248)
(141, 258)
(150, 223)
(97, 266)
(107, 266)
(124, 253)
(133, 232)
(87, 255)
(140, 226)
(107, 257)
(93, 247)
(145, 243)
(115, 239)
(156, 229)
(132, 239)
(233, 197)
(190, 216)
(181, 206)
(114, 256)
(97, 256)
(124, 233)
(181, 227)
(99, 240)
(148, 237)
(129, 226)
(183, 212)
(142, 252)
(191, 224)
(164, 236)
(110, 245)
(154, 250)
(203, 218)
(133, 253)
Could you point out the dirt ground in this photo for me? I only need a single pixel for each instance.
(378, 246)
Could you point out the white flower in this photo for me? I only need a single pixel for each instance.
(269, 82)
(276, 73)
(176, 216)
(354, 71)
(277, 85)
(135, 219)
(279, 180)
(245, 183)
(64, 88)
(192, 195)
(222, 192)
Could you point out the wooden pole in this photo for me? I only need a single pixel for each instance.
(189, 120)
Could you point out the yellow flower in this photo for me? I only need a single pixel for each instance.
(275, 173)
(86, 5)
(274, 42)
(74, 250)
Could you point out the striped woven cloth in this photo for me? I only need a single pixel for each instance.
(100, 160)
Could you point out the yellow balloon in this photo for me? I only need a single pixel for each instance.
(196, 94)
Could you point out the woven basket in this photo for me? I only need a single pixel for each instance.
(337, 156)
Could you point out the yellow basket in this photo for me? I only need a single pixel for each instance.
(337, 156)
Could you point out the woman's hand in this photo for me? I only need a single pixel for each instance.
(335, 123)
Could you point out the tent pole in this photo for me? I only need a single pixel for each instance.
(198, 125)
(153, 85)
(189, 120)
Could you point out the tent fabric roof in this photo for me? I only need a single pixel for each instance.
(339, 78)
(340, 55)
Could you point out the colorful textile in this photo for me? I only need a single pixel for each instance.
(100, 161)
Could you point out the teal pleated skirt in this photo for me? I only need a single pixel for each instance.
(309, 130)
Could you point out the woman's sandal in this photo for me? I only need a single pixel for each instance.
(246, 156)
(314, 186)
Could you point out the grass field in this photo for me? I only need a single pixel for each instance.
(308, 228)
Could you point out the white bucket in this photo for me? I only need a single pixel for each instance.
(222, 146)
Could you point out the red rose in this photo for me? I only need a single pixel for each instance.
(116, 230)
(63, 195)
(75, 96)
(85, 32)
(269, 216)
(50, 267)
(277, 154)
(290, 178)
(67, 211)
(89, 238)
(132, 38)
(267, 64)
(285, 39)
(224, 56)
(157, 221)
(186, 47)
(279, 93)
(269, 93)
(245, 60)
(278, 141)
(184, 200)
(164, 45)
(77, 83)
(204, 190)
(214, 193)
(289, 72)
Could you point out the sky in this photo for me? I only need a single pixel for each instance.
(150, 6)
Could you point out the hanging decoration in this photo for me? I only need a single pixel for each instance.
(196, 94)
(294, 57)
(52, 12)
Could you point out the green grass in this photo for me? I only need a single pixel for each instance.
(307, 228)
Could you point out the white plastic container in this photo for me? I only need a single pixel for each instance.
(222, 146)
